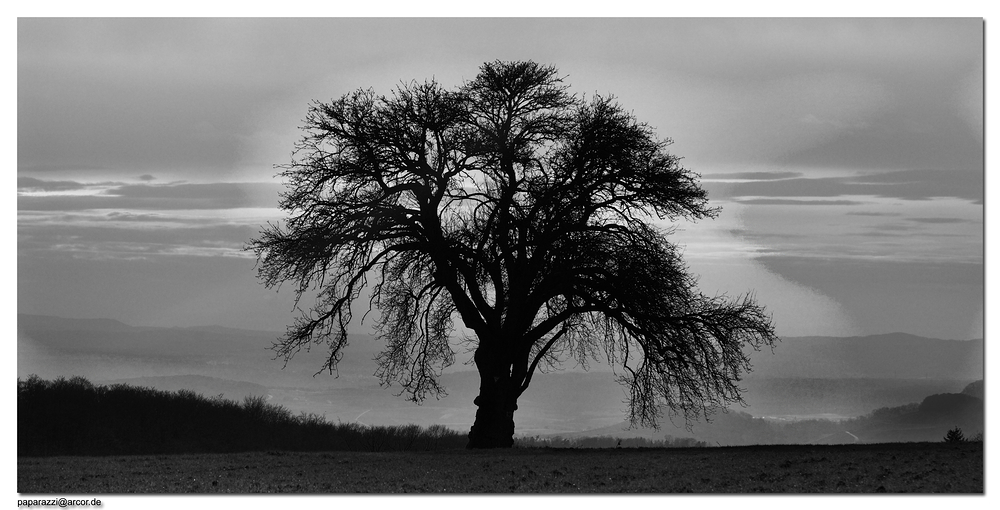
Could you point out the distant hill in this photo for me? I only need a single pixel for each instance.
(949, 406)
(104, 349)
(837, 397)
(928, 420)
(50, 323)
(976, 389)
(105, 336)
(842, 377)
(892, 356)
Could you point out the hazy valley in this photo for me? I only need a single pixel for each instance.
(832, 378)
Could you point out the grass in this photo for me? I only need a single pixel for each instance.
(889, 468)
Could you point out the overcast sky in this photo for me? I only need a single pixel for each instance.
(847, 155)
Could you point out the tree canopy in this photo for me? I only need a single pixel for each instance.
(522, 210)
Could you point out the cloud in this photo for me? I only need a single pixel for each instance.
(112, 241)
(130, 222)
(162, 197)
(919, 135)
(32, 184)
(190, 95)
(52, 167)
(27, 220)
(785, 201)
(742, 232)
(880, 233)
(129, 216)
(212, 191)
(836, 124)
(902, 184)
(752, 176)
(890, 295)
(868, 213)
(939, 220)
(197, 99)
(904, 177)
(890, 227)
(885, 229)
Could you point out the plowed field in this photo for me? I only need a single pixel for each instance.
(891, 468)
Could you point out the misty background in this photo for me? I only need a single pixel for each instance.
(846, 154)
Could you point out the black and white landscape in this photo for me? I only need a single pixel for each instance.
(667, 188)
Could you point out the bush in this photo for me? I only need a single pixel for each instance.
(74, 417)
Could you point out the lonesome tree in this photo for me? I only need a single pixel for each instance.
(526, 212)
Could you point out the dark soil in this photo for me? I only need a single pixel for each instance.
(871, 468)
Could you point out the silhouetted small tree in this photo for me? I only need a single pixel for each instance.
(524, 211)
(954, 435)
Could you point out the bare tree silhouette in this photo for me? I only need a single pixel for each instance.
(525, 211)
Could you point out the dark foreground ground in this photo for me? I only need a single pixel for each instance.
(892, 468)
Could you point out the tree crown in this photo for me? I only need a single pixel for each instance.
(520, 208)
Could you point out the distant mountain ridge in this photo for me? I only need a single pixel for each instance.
(893, 356)
(926, 420)
(107, 336)
(49, 322)
(105, 349)
(804, 376)
(976, 389)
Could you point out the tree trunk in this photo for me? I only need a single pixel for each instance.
(494, 426)
(497, 401)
